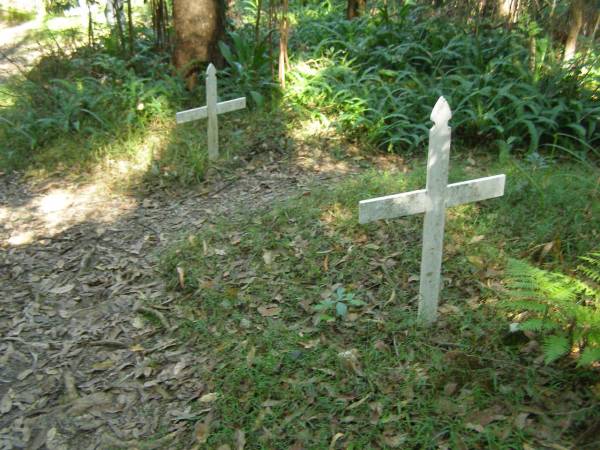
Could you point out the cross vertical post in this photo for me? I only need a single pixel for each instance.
(211, 110)
(433, 228)
(433, 201)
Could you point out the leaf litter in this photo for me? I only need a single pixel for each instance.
(87, 358)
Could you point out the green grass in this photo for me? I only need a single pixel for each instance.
(286, 375)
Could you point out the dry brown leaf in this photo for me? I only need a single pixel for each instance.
(269, 310)
(486, 416)
(24, 374)
(359, 402)
(103, 365)
(395, 441)
(521, 420)
(202, 431)
(334, 439)
(250, 356)
(476, 239)
(474, 427)
(268, 257)
(62, 289)
(209, 398)
(6, 402)
(450, 388)
(240, 439)
(181, 277)
(350, 360)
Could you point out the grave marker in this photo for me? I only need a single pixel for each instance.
(433, 201)
(211, 111)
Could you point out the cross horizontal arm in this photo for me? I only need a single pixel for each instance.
(201, 113)
(392, 206)
(415, 202)
(475, 190)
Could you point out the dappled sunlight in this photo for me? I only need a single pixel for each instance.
(315, 138)
(59, 208)
(337, 214)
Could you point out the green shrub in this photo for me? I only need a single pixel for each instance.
(248, 70)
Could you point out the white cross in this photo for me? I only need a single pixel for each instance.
(211, 110)
(433, 201)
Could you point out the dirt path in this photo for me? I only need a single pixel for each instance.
(17, 48)
(83, 362)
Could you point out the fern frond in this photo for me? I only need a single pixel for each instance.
(537, 325)
(566, 306)
(591, 267)
(525, 305)
(554, 347)
(589, 356)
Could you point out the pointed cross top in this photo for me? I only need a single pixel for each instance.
(211, 70)
(441, 112)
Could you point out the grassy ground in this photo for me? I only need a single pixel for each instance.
(293, 368)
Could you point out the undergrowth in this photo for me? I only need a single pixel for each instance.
(380, 78)
(85, 95)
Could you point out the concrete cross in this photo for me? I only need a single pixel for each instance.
(433, 201)
(211, 110)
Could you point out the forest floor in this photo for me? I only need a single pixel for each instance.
(99, 351)
(80, 368)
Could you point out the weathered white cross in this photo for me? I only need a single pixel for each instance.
(433, 201)
(211, 110)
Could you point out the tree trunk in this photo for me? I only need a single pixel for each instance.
(130, 28)
(199, 25)
(355, 8)
(575, 23)
(283, 43)
(503, 8)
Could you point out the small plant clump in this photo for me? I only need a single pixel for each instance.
(338, 305)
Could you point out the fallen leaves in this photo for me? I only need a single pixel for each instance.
(478, 420)
(271, 310)
(181, 277)
(62, 289)
(202, 431)
(6, 402)
(350, 360)
(209, 398)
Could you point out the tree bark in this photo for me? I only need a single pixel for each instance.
(283, 43)
(355, 8)
(575, 24)
(199, 25)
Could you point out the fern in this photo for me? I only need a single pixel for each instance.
(555, 346)
(566, 308)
